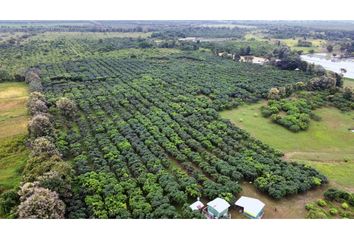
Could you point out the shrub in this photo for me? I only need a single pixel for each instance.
(309, 206)
(274, 93)
(4, 75)
(316, 214)
(345, 205)
(8, 200)
(316, 181)
(339, 196)
(321, 203)
(333, 211)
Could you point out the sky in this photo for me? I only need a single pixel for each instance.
(176, 10)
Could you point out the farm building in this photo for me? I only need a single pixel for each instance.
(251, 207)
(218, 208)
(198, 205)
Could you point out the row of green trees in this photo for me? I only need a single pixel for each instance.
(46, 180)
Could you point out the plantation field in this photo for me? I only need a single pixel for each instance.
(54, 47)
(123, 123)
(152, 127)
(327, 145)
(51, 36)
(13, 131)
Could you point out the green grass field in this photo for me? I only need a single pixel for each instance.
(13, 112)
(318, 45)
(327, 145)
(13, 157)
(13, 132)
(348, 82)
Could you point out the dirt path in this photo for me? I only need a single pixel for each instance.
(315, 156)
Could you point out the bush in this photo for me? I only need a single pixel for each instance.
(339, 196)
(316, 214)
(333, 211)
(345, 205)
(321, 203)
(274, 93)
(8, 200)
(5, 76)
(309, 206)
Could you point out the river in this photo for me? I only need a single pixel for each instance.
(331, 63)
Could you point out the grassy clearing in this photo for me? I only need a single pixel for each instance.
(318, 45)
(254, 36)
(327, 145)
(13, 132)
(13, 157)
(348, 82)
(13, 113)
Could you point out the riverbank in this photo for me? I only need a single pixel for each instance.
(335, 64)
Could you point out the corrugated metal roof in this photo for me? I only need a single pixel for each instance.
(252, 206)
(219, 204)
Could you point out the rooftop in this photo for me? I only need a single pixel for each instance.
(219, 204)
(251, 206)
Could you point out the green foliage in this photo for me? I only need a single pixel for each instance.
(339, 196)
(333, 211)
(317, 214)
(332, 207)
(321, 203)
(297, 113)
(5, 76)
(8, 201)
(13, 158)
(345, 205)
(310, 206)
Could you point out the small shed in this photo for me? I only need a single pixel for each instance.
(197, 206)
(218, 208)
(251, 207)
